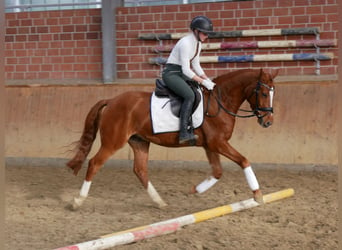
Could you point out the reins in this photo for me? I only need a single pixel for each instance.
(220, 105)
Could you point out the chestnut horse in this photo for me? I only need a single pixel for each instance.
(126, 118)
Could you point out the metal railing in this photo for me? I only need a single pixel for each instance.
(45, 5)
(31, 5)
(129, 3)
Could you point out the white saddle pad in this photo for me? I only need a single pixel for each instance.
(163, 120)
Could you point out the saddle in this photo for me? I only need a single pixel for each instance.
(162, 91)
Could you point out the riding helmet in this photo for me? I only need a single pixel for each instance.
(202, 23)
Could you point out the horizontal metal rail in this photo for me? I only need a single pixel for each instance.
(30, 6)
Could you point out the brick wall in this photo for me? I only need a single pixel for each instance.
(53, 45)
(133, 54)
(67, 44)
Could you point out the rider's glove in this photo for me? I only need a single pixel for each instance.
(208, 84)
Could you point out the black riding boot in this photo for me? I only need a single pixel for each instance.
(186, 136)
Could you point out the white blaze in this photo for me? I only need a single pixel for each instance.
(271, 97)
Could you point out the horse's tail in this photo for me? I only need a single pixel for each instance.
(87, 139)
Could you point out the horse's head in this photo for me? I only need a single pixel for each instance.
(260, 98)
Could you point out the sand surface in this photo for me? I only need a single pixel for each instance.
(37, 214)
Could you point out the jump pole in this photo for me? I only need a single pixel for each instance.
(172, 225)
(255, 58)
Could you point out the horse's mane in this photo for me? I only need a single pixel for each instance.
(230, 76)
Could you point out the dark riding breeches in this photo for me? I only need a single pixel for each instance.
(176, 81)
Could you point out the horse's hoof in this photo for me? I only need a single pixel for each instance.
(162, 205)
(193, 190)
(77, 203)
(68, 169)
(258, 197)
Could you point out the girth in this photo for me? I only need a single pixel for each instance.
(176, 101)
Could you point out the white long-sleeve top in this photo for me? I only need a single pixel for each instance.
(183, 52)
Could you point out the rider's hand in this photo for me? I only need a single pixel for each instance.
(208, 84)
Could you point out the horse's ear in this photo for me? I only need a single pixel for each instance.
(274, 73)
(261, 72)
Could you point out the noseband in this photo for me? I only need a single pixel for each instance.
(255, 111)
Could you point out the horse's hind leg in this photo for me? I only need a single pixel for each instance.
(94, 165)
(214, 160)
(140, 148)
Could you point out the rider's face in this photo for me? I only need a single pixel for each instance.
(202, 36)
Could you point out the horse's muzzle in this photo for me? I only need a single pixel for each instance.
(266, 120)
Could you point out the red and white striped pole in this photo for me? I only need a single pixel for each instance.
(172, 225)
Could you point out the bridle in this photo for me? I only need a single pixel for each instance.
(255, 111)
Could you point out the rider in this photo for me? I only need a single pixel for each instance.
(177, 71)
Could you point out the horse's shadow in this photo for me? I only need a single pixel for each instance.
(41, 185)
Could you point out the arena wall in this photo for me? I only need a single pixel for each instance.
(43, 121)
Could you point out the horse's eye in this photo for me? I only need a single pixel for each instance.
(264, 94)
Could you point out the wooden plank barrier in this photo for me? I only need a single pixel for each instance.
(172, 225)
(257, 44)
(238, 33)
(315, 44)
(254, 58)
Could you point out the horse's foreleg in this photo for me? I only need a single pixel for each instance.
(231, 153)
(214, 160)
(253, 184)
(140, 148)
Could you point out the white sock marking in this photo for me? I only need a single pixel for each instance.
(251, 178)
(206, 184)
(154, 194)
(85, 188)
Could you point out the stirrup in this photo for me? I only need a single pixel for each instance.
(189, 138)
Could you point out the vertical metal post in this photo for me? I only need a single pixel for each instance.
(318, 63)
(109, 72)
(2, 124)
